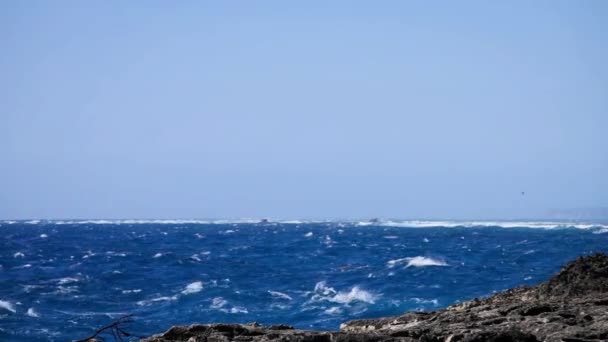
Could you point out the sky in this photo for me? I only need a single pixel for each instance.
(302, 109)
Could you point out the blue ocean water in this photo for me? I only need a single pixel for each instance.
(60, 280)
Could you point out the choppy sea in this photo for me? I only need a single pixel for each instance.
(61, 280)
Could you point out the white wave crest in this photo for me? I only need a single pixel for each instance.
(67, 280)
(355, 294)
(18, 255)
(194, 287)
(482, 224)
(238, 310)
(131, 291)
(281, 295)
(158, 255)
(416, 300)
(417, 261)
(32, 313)
(323, 292)
(7, 306)
(218, 303)
(334, 310)
(154, 300)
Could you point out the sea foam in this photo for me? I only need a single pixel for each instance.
(417, 261)
(280, 295)
(7, 306)
(32, 313)
(194, 287)
(323, 292)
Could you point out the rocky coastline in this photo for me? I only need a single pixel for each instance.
(572, 306)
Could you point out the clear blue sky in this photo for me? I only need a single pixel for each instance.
(309, 109)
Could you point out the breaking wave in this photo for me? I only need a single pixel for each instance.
(322, 292)
(417, 261)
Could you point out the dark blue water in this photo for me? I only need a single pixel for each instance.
(61, 280)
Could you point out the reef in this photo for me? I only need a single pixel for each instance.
(572, 306)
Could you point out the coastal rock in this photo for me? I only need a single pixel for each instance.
(572, 306)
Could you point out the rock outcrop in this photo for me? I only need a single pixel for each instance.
(572, 306)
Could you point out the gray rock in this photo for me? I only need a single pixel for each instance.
(571, 306)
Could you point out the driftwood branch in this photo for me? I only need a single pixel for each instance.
(114, 329)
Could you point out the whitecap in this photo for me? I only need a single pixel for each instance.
(32, 313)
(309, 234)
(7, 306)
(43, 236)
(194, 287)
(66, 289)
(417, 261)
(334, 310)
(238, 310)
(23, 266)
(67, 280)
(111, 253)
(158, 255)
(154, 300)
(391, 237)
(18, 255)
(218, 303)
(355, 294)
(435, 302)
(483, 224)
(281, 295)
(326, 293)
(131, 291)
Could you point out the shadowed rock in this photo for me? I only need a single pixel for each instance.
(571, 306)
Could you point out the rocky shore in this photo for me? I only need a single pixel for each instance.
(572, 306)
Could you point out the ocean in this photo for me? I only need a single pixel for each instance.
(61, 280)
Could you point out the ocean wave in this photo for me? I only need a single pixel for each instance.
(155, 300)
(381, 223)
(218, 303)
(194, 287)
(334, 310)
(4, 304)
(67, 280)
(131, 291)
(32, 313)
(416, 300)
(485, 224)
(238, 310)
(322, 292)
(281, 295)
(417, 261)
